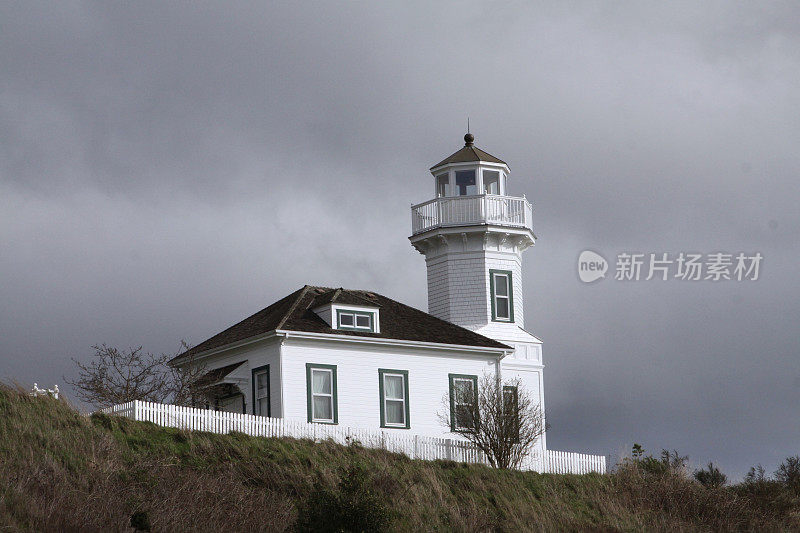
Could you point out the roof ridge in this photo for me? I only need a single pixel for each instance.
(364, 295)
(292, 307)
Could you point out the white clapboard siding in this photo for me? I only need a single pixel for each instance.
(414, 446)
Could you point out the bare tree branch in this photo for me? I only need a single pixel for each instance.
(114, 376)
(502, 419)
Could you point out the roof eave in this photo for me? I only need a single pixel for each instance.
(183, 358)
(502, 349)
(444, 164)
(469, 154)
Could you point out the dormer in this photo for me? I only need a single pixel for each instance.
(470, 172)
(347, 315)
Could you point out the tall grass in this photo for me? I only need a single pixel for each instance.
(62, 471)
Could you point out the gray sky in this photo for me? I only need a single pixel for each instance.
(167, 169)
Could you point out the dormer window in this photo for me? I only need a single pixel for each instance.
(465, 182)
(350, 316)
(355, 320)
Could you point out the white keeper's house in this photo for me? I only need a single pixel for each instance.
(360, 359)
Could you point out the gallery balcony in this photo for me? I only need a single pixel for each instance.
(481, 209)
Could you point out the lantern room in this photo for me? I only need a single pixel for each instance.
(470, 172)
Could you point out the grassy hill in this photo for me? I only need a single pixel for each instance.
(62, 471)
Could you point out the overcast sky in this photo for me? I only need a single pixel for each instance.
(167, 169)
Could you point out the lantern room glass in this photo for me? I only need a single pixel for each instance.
(465, 183)
(491, 182)
(442, 185)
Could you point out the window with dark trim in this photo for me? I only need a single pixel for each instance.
(321, 394)
(260, 382)
(511, 405)
(393, 393)
(355, 320)
(502, 291)
(463, 400)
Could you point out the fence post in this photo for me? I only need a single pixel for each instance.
(136, 409)
(448, 449)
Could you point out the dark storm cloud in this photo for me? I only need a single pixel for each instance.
(166, 170)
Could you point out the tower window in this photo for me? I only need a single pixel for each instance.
(443, 184)
(502, 295)
(465, 182)
(491, 182)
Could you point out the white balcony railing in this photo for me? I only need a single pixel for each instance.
(472, 210)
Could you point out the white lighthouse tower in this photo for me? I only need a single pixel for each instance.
(472, 234)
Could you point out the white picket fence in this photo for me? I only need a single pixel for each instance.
(414, 446)
(573, 463)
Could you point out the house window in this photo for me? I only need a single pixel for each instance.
(502, 295)
(393, 388)
(491, 182)
(261, 404)
(443, 184)
(356, 320)
(321, 391)
(463, 400)
(510, 398)
(511, 406)
(465, 182)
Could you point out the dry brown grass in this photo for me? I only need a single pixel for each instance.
(61, 471)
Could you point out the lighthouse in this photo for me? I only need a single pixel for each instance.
(472, 234)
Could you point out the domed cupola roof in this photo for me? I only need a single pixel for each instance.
(468, 154)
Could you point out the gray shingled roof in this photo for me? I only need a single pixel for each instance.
(295, 313)
(467, 154)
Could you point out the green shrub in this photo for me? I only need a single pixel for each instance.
(140, 521)
(651, 465)
(711, 476)
(637, 451)
(788, 473)
(668, 463)
(353, 505)
(757, 474)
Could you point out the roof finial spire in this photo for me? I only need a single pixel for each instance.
(468, 138)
